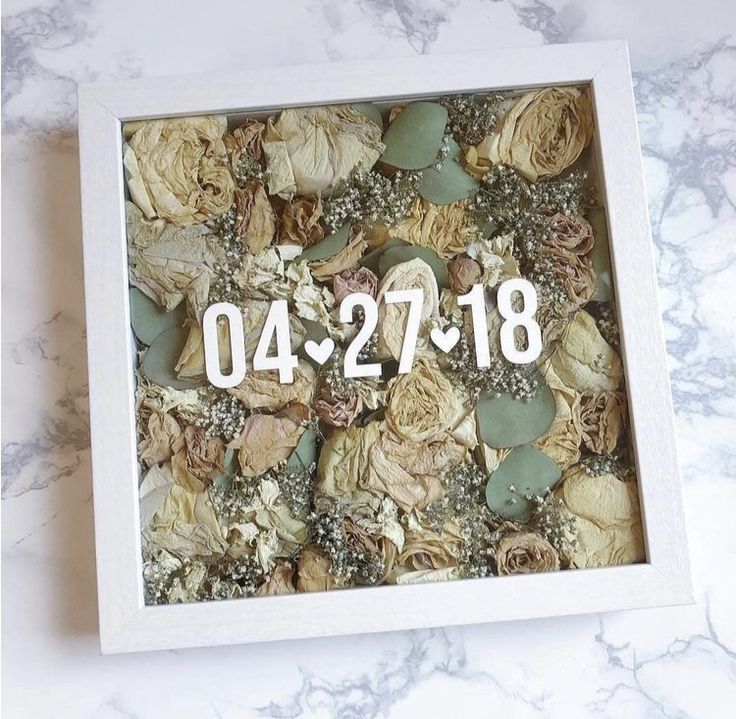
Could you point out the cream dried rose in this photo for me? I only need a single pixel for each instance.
(176, 169)
(338, 409)
(314, 571)
(525, 553)
(567, 243)
(310, 149)
(428, 550)
(446, 229)
(422, 403)
(544, 132)
(608, 518)
(602, 415)
(354, 280)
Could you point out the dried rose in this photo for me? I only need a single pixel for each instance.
(338, 409)
(314, 571)
(524, 553)
(544, 132)
(425, 549)
(195, 466)
(568, 241)
(163, 439)
(351, 280)
(264, 390)
(608, 518)
(245, 141)
(281, 581)
(422, 403)
(602, 415)
(446, 229)
(176, 171)
(300, 221)
(463, 273)
(311, 149)
(255, 222)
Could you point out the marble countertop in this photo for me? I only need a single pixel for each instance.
(672, 662)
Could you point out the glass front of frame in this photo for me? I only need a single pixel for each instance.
(376, 344)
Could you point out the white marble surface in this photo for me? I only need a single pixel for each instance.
(678, 662)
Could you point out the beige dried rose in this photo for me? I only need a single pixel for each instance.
(477, 158)
(428, 550)
(196, 464)
(176, 171)
(496, 256)
(354, 280)
(410, 472)
(544, 132)
(422, 403)
(462, 274)
(314, 571)
(525, 553)
(311, 149)
(567, 243)
(170, 263)
(300, 221)
(343, 462)
(264, 390)
(255, 222)
(583, 360)
(561, 442)
(446, 229)
(163, 439)
(608, 518)
(338, 409)
(602, 417)
(392, 317)
(266, 441)
(187, 525)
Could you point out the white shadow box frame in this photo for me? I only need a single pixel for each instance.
(126, 623)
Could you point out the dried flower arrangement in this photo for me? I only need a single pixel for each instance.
(450, 470)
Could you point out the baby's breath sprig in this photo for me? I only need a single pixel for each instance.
(369, 197)
(479, 539)
(224, 415)
(248, 169)
(471, 117)
(551, 520)
(463, 483)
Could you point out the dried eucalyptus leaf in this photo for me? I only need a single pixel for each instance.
(415, 136)
(447, 185)
(149, 320)
(305, 452)
(507, 422)
(371, 111)
(396, 255)
(162, 356)
(600, 254)
(331, 245)
(528, 472)
(372, 258)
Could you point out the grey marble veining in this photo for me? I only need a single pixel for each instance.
(670, 662)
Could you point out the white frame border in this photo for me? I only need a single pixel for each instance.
(126, 624)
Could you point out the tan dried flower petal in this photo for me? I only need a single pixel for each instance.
(463, 273)
(281, 581)
(314, 571)
(255, 220)
(244, 141)
(264, 391)
(353, 280)
(196, 465)
(347, 258)
(300, 221)
(163, 439)
(525, 553)
(602, 415)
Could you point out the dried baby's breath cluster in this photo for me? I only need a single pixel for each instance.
(479, 541)
(463, 483)
(550, 520)
(615, 463)
(501, 377)
(605, 320)
(232, 498)
(296, 485)
(369, 197)
(472, 117)
(247, 170)
(223, 415)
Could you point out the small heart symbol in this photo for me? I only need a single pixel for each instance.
(445, 340)
(321, 352)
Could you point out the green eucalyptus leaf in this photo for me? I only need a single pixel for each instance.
(600, 254)
(395, 255)
(327, 247)
(529, 472)
(415, 136)
(305, 452)
(507, 422)
(162, 356)
(149, 320)
(372, 258)
(371, 111)
(448, 184)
